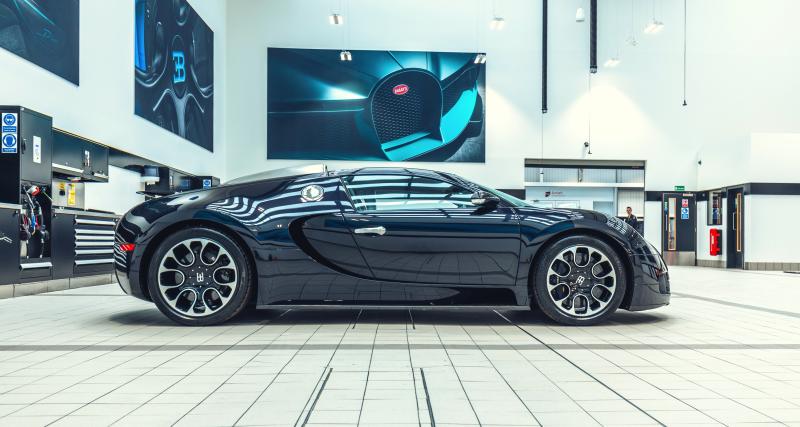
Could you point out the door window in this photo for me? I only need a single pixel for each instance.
(376, 193)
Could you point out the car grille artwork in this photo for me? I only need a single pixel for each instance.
(43, 32)
(382, 105)
(175, 70)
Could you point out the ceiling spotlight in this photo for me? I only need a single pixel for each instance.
(336, 19)
(345, 55)
(480, 58)
(580, 15)
(497, 23)
(654, 27)
(612, 62)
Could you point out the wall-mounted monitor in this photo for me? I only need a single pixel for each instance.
(174, 57)
(375, 105)
(44, 32)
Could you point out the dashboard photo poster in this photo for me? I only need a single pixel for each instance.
(174, 58)
(375, 105)
(44, 32)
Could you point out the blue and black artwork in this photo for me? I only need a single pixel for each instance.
(375, 105)
(174, 58)
(44, 32)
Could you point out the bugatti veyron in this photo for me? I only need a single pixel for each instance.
(379, 236)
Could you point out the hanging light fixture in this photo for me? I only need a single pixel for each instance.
(480, 58)
(336, 19)
(612, 62)
(654, 26)
(497, 23)
(580, 15)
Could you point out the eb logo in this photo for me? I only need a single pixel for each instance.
(180, 67)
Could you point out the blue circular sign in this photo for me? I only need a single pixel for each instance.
(9, 119)
(9, 141)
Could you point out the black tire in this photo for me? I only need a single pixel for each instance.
(576, 308)
(232, 305)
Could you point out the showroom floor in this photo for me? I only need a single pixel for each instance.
(727, 351)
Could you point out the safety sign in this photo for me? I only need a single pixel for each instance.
(8, 137)
(684, 213)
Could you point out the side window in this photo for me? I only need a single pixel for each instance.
(375, 193)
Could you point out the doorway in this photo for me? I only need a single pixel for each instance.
(735, 228)
(679, 231)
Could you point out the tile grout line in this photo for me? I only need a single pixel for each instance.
(739, 305)
(411, 364)
(262, 326)
(327, 365)
(582, 370)
(369, 367)
(276, 376)
(455, 371)
(488, 359)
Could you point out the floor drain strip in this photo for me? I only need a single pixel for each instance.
(427, 397)
(317, 396)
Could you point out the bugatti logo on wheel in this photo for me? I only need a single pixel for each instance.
(311, 193)
(400, 89)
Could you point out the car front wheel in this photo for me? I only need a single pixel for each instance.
(579, 280)
(199, 276)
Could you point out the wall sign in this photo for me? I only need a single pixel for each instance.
(9, 135)
(381, 105)
(174, 58)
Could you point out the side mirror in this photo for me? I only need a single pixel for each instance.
(483, 198)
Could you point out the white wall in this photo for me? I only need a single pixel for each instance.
(741, 61)
(101, 108)
(769, 232)
(105, 197)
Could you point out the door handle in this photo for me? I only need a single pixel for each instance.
(380, 230)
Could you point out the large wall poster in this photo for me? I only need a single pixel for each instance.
(175, 69)
(44, 32)
(380, 105)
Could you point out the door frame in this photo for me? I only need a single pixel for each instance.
(675, 257)
(732, 256)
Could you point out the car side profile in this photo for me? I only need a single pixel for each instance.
(379, 237)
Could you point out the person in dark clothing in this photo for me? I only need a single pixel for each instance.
(631, 218)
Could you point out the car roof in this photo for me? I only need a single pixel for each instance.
(391, 171)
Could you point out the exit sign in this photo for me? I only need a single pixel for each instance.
(680, 187)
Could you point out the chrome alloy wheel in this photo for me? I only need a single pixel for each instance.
(581, 281)
(197, 277)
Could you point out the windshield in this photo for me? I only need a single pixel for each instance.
(511, 200)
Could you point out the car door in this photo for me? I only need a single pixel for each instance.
(421, 229)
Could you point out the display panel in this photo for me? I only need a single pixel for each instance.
(45, 32)
(375, 105)
(174, 55)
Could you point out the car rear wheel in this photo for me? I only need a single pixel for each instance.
(579, 280)
(199, 276)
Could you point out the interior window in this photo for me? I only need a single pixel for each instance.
(371, 193)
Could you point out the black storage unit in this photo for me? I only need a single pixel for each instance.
(25, 161)
(79, 158)
(83, 243)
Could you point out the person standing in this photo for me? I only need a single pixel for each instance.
(631, 219)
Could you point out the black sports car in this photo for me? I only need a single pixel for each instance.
(379, 236)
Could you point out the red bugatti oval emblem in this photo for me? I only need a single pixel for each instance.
(400, 89)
